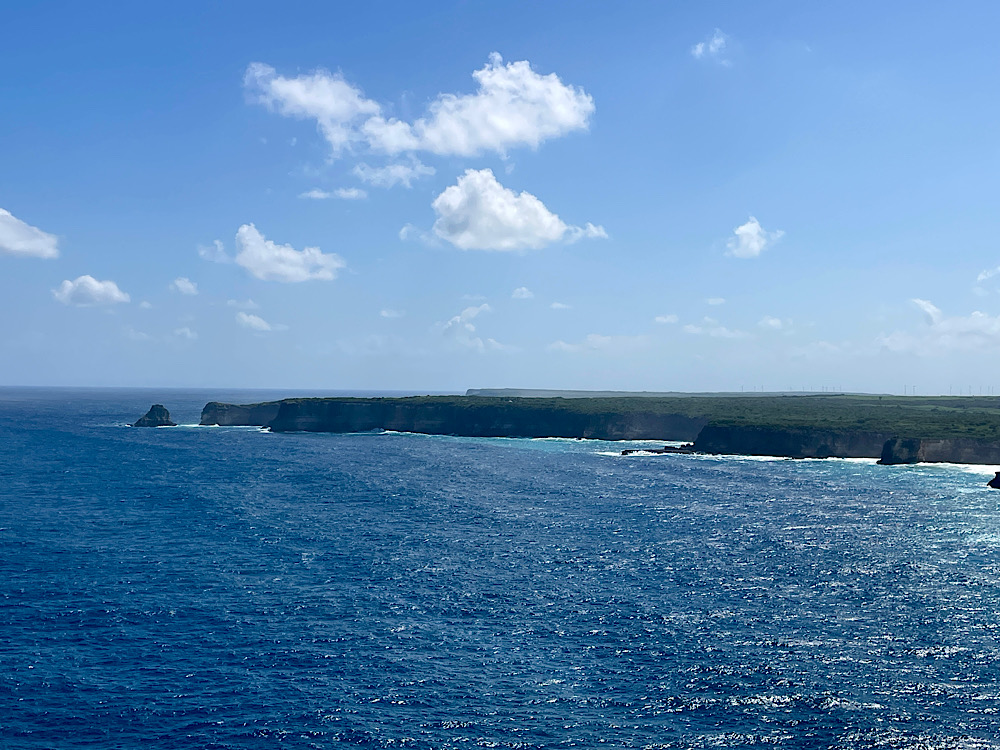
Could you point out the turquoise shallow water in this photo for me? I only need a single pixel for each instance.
(229, 588)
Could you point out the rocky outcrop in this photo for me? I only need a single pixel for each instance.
(788, 442)
(955, 450)
(228, 415)
(157, 416)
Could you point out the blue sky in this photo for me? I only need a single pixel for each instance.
(708, 196)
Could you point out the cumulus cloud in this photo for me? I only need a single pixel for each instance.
(713, 48)
(185, 333)
(560, 306)
(462, 331)
(337, 107)
(215, 254)
(940, 334)
(715, 301)
(750, 239)
(711, 327)
(19, 238)
(86, 291)
(257, 323)
(184, 286)
(522, 292)
(392, 174)
(478, 213)
(269, 261)
(512, 106)
(666, 319)
(390, 314)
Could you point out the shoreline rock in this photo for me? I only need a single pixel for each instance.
(157, 416)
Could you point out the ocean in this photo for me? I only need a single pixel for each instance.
(230, 588)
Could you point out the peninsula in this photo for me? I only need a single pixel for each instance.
(894, 429)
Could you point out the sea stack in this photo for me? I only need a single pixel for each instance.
(157, 416)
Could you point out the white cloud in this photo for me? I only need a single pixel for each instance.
(713, 48)
(257, 323)
(598, 342)
(522, 292)
(242, 304)
(933, 313)
(350, 194)
(461, 330)
(560, 306)
(215, 254)
(712, 327)
(337, 107)
(989, 274)
(975, 332)
(19, 238)
(86, 291)
(769, 322)
(715, 301)
(145, 305)
(392, 174)
(269, 261)
(750, 239)
(135, 335)
(666, 319)
(512, 106)
(316, 194)
(391, 314)
(478, 213)
(184, 286)
(185, 333)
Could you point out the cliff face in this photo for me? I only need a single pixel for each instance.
(228, 415)
(792, 443)
(497, 419)
(956, 450)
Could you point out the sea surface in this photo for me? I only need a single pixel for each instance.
(212, 587)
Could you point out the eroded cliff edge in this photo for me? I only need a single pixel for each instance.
(894, 429)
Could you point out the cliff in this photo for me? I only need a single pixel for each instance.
(478, 418)
(897, 430)
(955, 451)
(228, 415)
(790, 442)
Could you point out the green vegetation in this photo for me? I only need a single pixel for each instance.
(928, 417)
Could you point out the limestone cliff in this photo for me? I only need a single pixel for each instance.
(955, 450)
(486, 418)
(789, 442)
(228, 415)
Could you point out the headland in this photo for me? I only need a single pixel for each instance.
(893, 429)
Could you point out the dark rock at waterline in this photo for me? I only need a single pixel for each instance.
(157, 416)
(994, 482)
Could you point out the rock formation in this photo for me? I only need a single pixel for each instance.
(157, 416)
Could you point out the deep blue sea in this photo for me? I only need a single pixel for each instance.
(229, 588)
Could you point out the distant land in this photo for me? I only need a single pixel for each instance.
(550, 393)
(894, 429)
